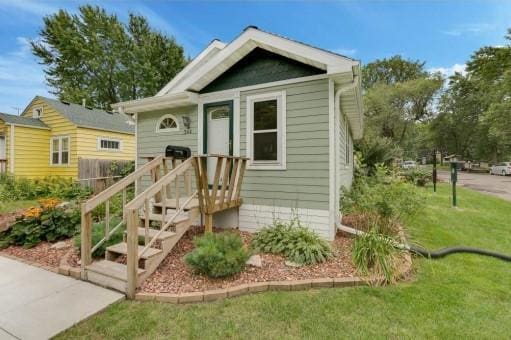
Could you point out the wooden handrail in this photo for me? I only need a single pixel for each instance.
(105, 195)
(156, 187)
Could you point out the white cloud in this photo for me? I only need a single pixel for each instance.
(449, 71)
(21, 78)
(463, 29)
(345, 51)
(34, 7)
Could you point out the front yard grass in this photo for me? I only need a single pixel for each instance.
(461, 296)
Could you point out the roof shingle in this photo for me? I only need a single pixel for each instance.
(13, 119)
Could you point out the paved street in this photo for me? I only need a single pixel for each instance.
(499, 186)
(38, 304)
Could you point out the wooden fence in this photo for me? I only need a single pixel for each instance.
(99, 174)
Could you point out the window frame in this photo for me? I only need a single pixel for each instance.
(109, 139)
(280, 163)
(162, 118)
(34, 110)
(60, 151)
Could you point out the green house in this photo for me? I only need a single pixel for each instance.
(292, 109)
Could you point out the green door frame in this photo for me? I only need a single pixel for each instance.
(230, 103)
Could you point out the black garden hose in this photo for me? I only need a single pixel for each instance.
(452, 250)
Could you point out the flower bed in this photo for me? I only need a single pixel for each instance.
(175, 276)
(42, 254)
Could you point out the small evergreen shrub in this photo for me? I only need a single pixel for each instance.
(297, 243)
(218, 254)
(374, 253)
(48, 222)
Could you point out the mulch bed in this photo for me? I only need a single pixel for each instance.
(175, 276)
(42, 253)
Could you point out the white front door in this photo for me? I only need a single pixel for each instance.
(2, 147)
(218, 118)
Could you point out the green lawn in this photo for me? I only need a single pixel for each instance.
(461, 296)
(6, 207)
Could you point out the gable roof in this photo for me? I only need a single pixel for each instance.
(92, 118)
(213, 65)
(24, 121)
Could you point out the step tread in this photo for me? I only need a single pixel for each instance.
(112, 269)
(171, 203)
(122, 248)
(157, 217)
(152, 232)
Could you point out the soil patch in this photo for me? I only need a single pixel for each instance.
(43, 253)
(175, 276)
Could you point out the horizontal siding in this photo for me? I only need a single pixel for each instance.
(59, 126)
(87, 145)
(304, 184)
(31, 152)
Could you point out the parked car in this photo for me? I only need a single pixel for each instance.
(503, 169)
(409, 165)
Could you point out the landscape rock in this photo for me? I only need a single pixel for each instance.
(255, 261)
(292, 264)
(60, 245)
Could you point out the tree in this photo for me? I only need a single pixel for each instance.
(93, 56)
(391, 71)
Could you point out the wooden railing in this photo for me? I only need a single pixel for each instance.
(152, 169)
(3, 166)
(224, 191)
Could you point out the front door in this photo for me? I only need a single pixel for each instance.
(218, 125)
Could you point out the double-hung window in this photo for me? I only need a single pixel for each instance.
(59, 150)
(266, 131)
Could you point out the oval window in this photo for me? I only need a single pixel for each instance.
(168, 123)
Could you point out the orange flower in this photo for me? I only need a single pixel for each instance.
(32, 212)
(49, 203)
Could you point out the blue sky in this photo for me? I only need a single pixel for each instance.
(442, 33)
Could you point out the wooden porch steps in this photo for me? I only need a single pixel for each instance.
(158, 217)
(171, 203)
(122, 249)
(152, 233)
(110, 274)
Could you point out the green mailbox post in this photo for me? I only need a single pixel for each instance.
(454, 179)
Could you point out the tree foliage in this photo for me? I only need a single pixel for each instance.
(92, 55)
(391, 71)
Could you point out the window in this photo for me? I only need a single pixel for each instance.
(219, 112)
(59, 149)
(167, 123)
(108, 144)
(266, 131)
(37, 112)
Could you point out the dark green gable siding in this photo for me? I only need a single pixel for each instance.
(258, 67)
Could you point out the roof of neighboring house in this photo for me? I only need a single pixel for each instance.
(93, 118)
(18, 120)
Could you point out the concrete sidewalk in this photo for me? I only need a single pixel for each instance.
(38, 304)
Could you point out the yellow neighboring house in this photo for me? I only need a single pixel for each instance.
(49, 137)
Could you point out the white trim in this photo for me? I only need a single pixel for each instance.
(252, 38)
(108, 139)
(254, 217)
(280, 164)
(167, 101)
(331, 159)
(214, 45)
(60, 138)
(29, 126)
(11, 148)
(107, 130)
(39, 107)
(162, 118)
(209, 98)
(266, 85)
(135, 118)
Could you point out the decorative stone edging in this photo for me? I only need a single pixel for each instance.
(65, 269)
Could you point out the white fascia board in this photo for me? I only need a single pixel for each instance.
(155, 103)
(332, 63)
(212, 49)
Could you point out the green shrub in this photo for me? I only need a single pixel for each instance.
(297, 243)
(98, 232)
(218, 254)
(418, 177)
(376, 254)
(14, 189)
(48, 222)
